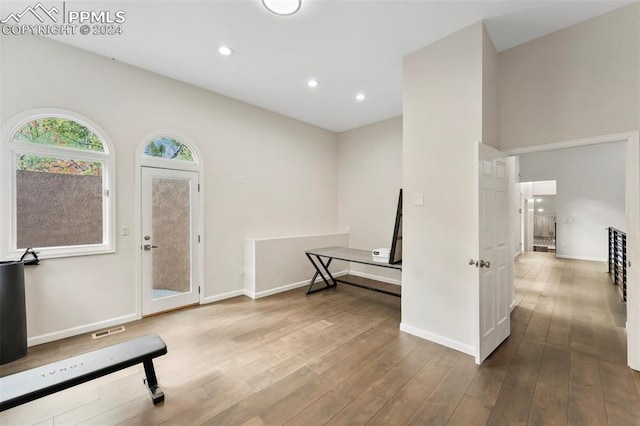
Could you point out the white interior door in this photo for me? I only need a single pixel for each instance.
(169, 239)
(495, 265)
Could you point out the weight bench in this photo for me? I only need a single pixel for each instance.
(29, 385)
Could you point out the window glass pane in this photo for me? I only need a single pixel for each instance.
(35, 163)
(168, 148)
(58, 202)
(171, 229)
(59, 132)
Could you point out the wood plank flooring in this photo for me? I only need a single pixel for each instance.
(337, 357)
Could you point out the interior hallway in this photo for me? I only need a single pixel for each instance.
(568, 348)
(337, 357)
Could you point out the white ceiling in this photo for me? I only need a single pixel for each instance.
(348, 46)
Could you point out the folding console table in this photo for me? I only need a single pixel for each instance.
(321, 266)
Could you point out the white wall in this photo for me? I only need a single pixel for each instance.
(544, 187)
(443, 122)
(273, 265)
(265, 175)
(590, 185)
(490, 110)
(369, 180)
(575, 83)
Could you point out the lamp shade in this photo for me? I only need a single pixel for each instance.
(282, 7)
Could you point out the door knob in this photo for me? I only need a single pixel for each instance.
(485, 264)
(148, 247)
(473, 262)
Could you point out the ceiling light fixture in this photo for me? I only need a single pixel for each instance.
(312, 83)
(540, 210)
(282, 7)
(225, 50)
(360, 97)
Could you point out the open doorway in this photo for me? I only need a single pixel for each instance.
(603, 193)
(538, 222)
(589, 183)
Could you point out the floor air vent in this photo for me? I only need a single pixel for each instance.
(104, 333)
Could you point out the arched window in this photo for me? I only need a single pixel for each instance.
(62, 200)
(168, 148)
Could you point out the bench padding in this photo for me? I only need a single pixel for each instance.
(32, 384)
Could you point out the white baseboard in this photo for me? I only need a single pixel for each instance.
(590, 259)
(287, 287)
(517, 254)
(444, 341)
(74, 331)
(375, 277)
(513, 305)
(223, 296)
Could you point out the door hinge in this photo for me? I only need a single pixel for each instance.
(198, 289)
(198, 238)
(106, 192)
(198, 187)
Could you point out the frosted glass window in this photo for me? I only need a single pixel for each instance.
(171, 234)
(61, 201)
(58, 202)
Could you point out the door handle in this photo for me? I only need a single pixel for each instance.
(148, 247)
(479, 263)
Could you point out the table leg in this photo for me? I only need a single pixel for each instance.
(319, 272)
(326, 269)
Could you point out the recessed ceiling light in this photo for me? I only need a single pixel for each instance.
(282, 7)
(538, 200)
(225, 50)
(540, 210)
(360, 97)
(312, 83)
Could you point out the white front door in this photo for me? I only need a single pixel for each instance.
(169, 239)
(495, 265)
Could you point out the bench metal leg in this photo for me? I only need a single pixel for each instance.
(151, 381)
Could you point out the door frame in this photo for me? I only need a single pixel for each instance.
(160, 163)
(632, 140)
(151, 305)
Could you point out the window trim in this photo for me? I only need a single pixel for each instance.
(8, 176)
(197, 165)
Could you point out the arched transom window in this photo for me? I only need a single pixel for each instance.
(169, 148)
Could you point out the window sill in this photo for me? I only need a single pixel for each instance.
(61, 252)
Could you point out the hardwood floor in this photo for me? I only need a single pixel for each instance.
(337, 357)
